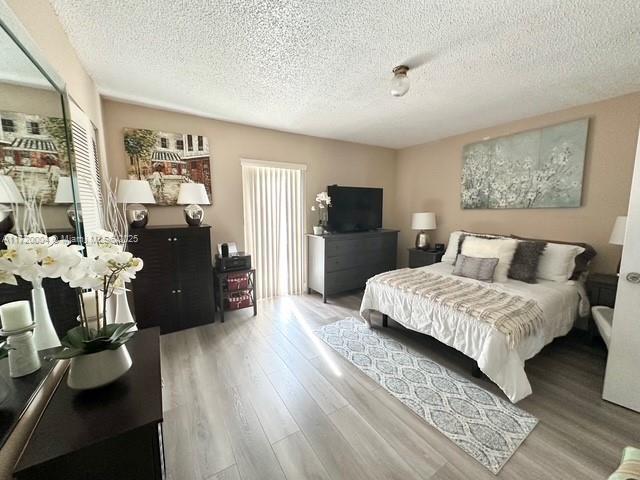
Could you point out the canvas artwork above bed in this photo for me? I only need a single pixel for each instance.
(540, 168)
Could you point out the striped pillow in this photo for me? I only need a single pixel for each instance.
(475, 267)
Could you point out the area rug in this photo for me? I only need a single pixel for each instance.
(485, 426)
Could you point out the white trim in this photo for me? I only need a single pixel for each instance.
(247, 162)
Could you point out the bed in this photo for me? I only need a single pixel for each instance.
(495, 354)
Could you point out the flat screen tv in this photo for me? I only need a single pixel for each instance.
(354, 209)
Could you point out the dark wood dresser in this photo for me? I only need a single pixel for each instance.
(174, 290)
(114, 432)
(341, 262)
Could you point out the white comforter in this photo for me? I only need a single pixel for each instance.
(489, 347)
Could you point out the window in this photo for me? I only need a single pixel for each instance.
(8, 125)
(179, 144)
(190, 143)
(200, 143)
(33, 128)
(164, 143)
(274, 236)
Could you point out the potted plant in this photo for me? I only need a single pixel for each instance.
(34, 257)
(321, 205)
(97, 348)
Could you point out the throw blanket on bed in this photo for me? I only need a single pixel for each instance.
(510, 314)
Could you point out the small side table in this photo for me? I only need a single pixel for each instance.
(601, 288)
(224, 292)
(422, 258)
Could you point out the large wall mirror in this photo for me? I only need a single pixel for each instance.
(37, 192)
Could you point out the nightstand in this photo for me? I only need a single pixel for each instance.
(422, 258)
(601, 288)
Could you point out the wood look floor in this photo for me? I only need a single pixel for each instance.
(263, 398)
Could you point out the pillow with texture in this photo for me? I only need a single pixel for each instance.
(452, 248)
(465, 235)
(558, 261)
(475, 267)
(583, 260)
(501, 248)
(524, 266)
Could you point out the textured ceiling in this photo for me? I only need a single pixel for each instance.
(323, 67)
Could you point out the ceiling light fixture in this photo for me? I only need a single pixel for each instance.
(400, 81)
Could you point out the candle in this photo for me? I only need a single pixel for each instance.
(15, 315)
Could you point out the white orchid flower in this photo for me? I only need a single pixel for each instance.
(60, 258)
(8, 277)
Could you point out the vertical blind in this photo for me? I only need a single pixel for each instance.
(273, 199)
(88, 170)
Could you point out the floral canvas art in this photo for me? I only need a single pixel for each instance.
(535, 169)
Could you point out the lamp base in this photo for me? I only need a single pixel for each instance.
(422, 240)
(137, 215)
(193, 215)
(71, 216)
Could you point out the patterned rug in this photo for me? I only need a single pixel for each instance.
(480, 423)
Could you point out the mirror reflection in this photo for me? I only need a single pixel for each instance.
(34, 160)
(36, 202)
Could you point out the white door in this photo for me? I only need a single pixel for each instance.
(622, 379)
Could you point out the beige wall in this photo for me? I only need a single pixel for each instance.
(40, 20)
(328, 162)
(428, 179)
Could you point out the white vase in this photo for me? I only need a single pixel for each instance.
(112, 305)
(318, 230)
(44, 335)
(123, 312)
(98, 369)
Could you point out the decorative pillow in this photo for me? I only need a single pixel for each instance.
(501, 248)
(524, 265)
(455, 244)
(558, 261)
(464, 235)
(475, 267)
(452, 248)
(582, 261)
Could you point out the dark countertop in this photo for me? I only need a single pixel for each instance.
(74, 420)
(21, 392)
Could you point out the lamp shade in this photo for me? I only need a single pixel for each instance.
(423, 221)
(617, 234)
(134, 191)
(193, 193)
(64, 194)
(9, 192)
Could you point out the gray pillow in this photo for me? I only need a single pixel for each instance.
(475, 267)
(525, 261)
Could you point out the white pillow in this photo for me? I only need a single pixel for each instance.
(501, 248)
(558, 261)
(452, 247)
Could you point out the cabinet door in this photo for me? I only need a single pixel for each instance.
(155, 285)
(195, 277)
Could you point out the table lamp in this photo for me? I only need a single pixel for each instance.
(9, 196)
(617, 234)
(134, 193)
(193, 195)
(64, 194)
(423, 221)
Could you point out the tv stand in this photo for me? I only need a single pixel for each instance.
(340, 262)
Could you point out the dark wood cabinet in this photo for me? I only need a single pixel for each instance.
(174, 290)
(114, 432)
(602, 289)
(422, 258)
